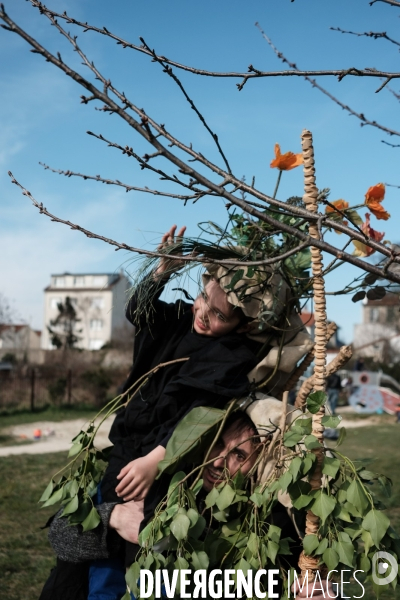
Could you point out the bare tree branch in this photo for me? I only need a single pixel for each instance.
(167, 69)
(252, 72)
(361, 116)
(391, 2)
(127, 187)
(393, 185)
(372, 34)
(144, 130)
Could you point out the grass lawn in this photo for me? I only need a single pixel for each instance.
(26, 557)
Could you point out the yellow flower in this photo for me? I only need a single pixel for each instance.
(287, 161)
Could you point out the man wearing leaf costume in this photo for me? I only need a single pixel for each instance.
(241, 334)
(237, 448)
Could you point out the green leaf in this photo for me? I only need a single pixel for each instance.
(225, 498)
(181, 563)
(331, 466)
(367, 475)
(311, 442)
(298, 492)
(302, 425)
(310, 543)
(131, 576)
(285, 480)
(220, 516)
(196, 531)
(330, 558)
(345, 551)
(200, 560)
(198, 487)
(71, 506)
(386, 484)
(47, 492)
(75, 449)
(274, 533)
(368, 541)
(91, 521)
(323, 505)
(341, 513)
(315, 401)
(341, 437)
(377, 523)
(80, 515)
(189, 433)
(356, 496)
(295, 467)
(272, 549)
(291, 438)
(180, 526)
(257, 499)
(308, 463)
(353, 216)
(193, 516)
(54, 498)
(322, 546)
(331, 421)
(212, 498)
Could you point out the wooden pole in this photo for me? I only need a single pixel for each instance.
(310, 563)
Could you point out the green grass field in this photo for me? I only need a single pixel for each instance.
(26, 558)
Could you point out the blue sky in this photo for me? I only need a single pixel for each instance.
(42, 119)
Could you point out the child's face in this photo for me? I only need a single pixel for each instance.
(213, 315)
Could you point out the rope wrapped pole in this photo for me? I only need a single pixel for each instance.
(309, 563)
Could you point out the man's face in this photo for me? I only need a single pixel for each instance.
(213, 315)
(233, 451)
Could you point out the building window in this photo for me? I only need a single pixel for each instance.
(79, 281)
(54, 302)
(96, 324)
(95, 344)
(99, 280)
(97, 302)
(390, 314)
(59, 281)
(373, 315)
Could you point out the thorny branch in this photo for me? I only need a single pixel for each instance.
(252, 73)
(144, 129)
(361, 116)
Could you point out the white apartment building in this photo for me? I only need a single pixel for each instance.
(99, 300)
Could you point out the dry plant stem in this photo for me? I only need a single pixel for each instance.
(310, 200)
(345, 353)
(143, 128)
(307, 360)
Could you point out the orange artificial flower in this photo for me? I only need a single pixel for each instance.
(373, 199)
(340, 204)
(287, 161)
(377, 236)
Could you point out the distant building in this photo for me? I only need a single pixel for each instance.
(378, 336)
(99, 300)
(19, 340)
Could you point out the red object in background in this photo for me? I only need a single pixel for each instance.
(37, 434)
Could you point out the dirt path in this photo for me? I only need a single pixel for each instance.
(56, 437)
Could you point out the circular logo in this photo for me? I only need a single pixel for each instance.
(381, 561)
